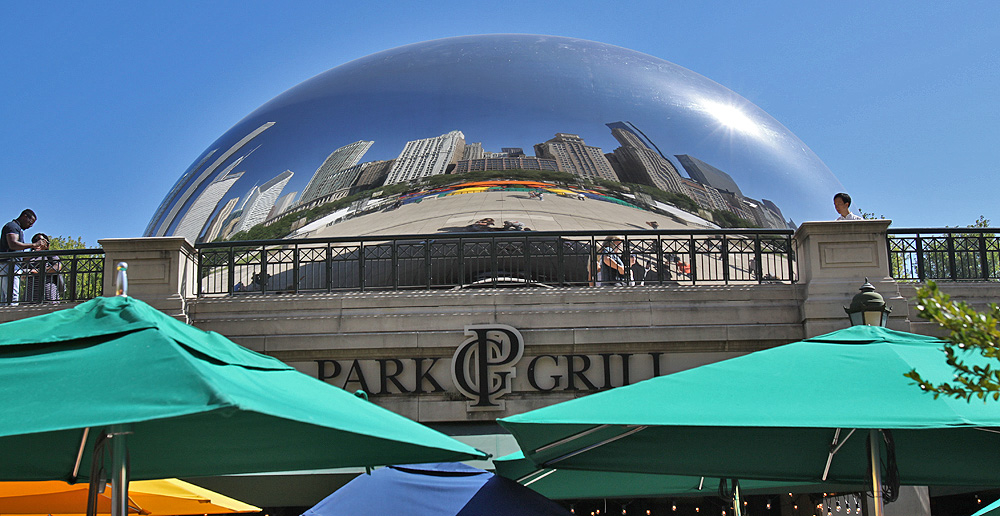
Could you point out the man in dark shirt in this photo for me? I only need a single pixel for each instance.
(13, 240)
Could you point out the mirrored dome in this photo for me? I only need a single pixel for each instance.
(488, 126)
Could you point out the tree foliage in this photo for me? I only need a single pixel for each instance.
(972, 333)
(68, 242)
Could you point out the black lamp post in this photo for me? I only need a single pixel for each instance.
(868, 308)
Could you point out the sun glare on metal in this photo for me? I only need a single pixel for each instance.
(732, 117)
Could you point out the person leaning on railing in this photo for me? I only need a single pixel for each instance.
(13, 240)
(43, 274)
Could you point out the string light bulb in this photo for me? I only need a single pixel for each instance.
(672, 508)
(697, 509)
(769, 505)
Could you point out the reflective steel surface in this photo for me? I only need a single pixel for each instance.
(596, 111)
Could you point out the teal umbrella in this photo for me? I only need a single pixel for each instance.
(116, 375)
(565, 484)
(799, 412)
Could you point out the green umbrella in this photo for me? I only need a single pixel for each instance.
(185, 402)
(799, 412)
(563, 484)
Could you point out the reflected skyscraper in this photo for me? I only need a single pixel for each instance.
(329, 176)
(473, 150)
(261, 200)
(220, 219)
(284, 202)
(505, 163)
(427, 157)
(708, 175)
(373, 175)
(576, 157)
(182, 199)
(191, 225)
(637, 162)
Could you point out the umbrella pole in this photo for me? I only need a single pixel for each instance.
(877, 507)
(737, 503)
(119, 472)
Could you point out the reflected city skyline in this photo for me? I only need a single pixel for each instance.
(598, 112)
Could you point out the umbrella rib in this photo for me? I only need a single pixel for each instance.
(536, 479)
(571, 438)
(834, 448)
(79, 453)
(987, 429)
(595, 445)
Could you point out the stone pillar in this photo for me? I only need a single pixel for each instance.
(834, 258)
(161, 271)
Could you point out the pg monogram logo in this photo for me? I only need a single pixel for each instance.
(483, 364)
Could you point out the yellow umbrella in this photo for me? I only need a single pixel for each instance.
(168, 497)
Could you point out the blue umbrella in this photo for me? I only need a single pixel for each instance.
(449, 489)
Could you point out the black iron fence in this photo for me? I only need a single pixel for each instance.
(918, 254)
(51, 276)
(497, 259)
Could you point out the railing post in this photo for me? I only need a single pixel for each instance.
(660, 264)
(725, 259)
(983, 262)
(295, 268)
(231, 270)
(952, 270)
(361, 266)
(199, 266)
(494, 260)
(329, 268)
(693, 267)
(921, 275)
(427, 261)
(791, 256)
(758, 257)
(73, 266)
(263, 270)
(561, 260)
(461, 261)
(394, 263)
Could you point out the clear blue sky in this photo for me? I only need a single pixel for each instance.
(105, 105)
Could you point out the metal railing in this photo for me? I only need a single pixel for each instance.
(495, 259)
(51, 276)
(919, 254)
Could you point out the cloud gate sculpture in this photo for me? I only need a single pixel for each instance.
(533, 125)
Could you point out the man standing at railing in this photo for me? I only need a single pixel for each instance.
(13, 240)
(842, 203)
